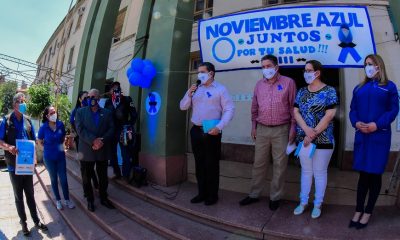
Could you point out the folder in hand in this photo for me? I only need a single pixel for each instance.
(209, 124)
(305, 151)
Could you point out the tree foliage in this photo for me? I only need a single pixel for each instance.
(40, 96)
(63, 106)
(7, 92)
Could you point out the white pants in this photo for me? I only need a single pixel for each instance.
(317, 167)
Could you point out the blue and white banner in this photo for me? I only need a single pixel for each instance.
(335, 36)
(25, 160)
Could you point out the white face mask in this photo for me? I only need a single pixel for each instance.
(53, 118)
(203, 77)
(269, 72)
(309, 77)
(370, 71)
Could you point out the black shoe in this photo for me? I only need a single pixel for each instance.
(90, 206)
(248, 200)
(273, 205)
(41, 226)
(353, 224)
(107, 203)
(361, 225)
(25, 229)
(197, 199)
(211, 201)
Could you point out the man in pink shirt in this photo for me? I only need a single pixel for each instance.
(273, 126)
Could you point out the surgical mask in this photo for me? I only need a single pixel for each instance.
(269, 72)
(53, 118)
(22, 108)
(370, 71)
(309, 77)
(116, 96)
(203, 77)
(92, 102)
(85, 102)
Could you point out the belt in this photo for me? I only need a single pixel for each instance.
(199, 127)
(273, 126)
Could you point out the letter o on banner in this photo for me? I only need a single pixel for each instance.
(219, 42)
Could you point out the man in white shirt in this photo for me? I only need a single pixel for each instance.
(209, 100)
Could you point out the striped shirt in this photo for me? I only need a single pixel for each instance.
(209, 103)
(273, 103)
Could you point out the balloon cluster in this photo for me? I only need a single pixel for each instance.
(141, 73)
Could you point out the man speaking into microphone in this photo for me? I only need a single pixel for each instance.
(212, 109)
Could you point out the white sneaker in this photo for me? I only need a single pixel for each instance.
(59, 205)
(316, 212)
(69, 204)
(299, 209)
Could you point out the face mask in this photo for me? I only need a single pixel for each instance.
(269, 72)
(116, 96)
(93, 102)
(53, 118)
(85, 102)
(309, 77)
(370, 71)
(203, 77)
(22, 108)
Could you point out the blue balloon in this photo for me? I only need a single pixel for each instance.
(135, 78)
(137, 65)
(129, 71)
(149, 71)
(145, 83)
(147, 62)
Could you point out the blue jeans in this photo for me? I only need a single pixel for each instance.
(58, 169)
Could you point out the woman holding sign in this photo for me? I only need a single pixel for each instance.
(51, 136)
(314, 109)
(374, 106)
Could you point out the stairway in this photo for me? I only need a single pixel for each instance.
(139, 215)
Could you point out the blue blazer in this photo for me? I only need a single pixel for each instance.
(379, 104)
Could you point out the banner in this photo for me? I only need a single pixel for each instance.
(335, 36)
(25, 160)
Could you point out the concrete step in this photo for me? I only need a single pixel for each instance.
(165, 223)
(80, 223)
(115, 224)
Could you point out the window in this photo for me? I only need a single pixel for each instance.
(71, 54)
(48, 60)
(272, 2)
(78, 23)
(118, 25)
(203, 9)
(194, 64)
(44, 61)
(69, 30)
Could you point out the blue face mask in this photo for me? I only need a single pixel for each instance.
(22, 108)
(85, 102)
(92, 102)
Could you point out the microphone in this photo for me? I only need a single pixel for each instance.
(198, 82)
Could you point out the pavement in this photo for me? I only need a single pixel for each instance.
(48, 214)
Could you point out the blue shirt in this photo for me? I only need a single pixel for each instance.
(312, 107)
(20, 132)
(53, 141)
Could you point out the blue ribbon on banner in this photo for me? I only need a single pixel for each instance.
(152, 103)
(347, 44)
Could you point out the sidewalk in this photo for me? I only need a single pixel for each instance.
(48, 214)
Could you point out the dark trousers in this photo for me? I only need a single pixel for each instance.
(126, 155)
(87, 170)
(94, 177)
(368, 182)
(58, 170)
(207, 152)
(20, 184)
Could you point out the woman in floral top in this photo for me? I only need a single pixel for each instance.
(314, 109)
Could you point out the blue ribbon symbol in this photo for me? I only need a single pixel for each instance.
(152, 103)
(347, 44)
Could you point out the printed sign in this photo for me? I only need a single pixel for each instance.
(153, 103)
(25, 160)
(335, 36)
(398, 115)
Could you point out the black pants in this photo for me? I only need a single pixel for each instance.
(20, 184)
(87, 169)
(368, 182)
(207, 152)
(94, 177)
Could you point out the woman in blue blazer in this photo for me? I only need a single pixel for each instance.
(374, 106)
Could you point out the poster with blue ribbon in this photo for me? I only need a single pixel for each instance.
(337, 36)
(25, 159)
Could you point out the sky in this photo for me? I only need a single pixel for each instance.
(27, 25)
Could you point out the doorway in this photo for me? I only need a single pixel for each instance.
(331, 77)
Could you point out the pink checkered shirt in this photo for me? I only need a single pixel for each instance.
(273, 102)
